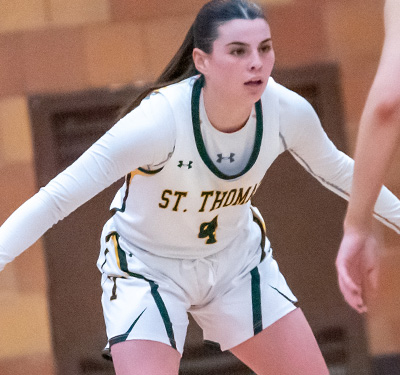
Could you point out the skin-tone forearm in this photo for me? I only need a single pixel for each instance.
(378, 139)
(379, 131)
(377, 142)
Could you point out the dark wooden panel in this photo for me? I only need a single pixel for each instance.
(64, 126)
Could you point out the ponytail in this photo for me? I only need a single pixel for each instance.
(179, 68)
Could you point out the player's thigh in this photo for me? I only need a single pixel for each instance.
(286, 347)
(145, 357)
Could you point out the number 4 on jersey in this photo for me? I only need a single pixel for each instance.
(207, 230)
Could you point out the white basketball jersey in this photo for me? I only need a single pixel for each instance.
(189, 208)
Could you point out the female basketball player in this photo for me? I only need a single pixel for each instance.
(184, 236)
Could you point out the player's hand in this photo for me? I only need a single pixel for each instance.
(356, 265)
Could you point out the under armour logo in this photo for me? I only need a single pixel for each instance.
(230, 158)
(189, 165)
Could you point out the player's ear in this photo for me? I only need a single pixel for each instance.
(200, 59)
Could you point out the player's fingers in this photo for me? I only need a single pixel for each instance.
(345, 279)
(355, 301)
(351, 292)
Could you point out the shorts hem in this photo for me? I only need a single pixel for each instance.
(233, 343)
(111, 343)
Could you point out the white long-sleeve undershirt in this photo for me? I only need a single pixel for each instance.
(146, 136)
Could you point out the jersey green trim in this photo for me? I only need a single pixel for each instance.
(128, 180)
(123, 265)
(146, 171)
(256, 300)
(200, 142)
(123, 337)
(283, 295)
(164, 313)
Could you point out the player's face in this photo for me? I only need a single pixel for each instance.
(242, 59)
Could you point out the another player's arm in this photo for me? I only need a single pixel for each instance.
(377, 141)
(379, 131)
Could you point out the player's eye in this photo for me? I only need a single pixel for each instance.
(238, 51)
(265, 48)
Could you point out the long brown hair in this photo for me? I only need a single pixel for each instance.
(202, 34)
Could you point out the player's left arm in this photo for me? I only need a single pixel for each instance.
(307, 141)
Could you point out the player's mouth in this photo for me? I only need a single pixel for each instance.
(254, 83)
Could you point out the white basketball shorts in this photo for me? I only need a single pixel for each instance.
(232, 295)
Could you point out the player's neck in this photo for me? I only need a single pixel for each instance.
(225, 115)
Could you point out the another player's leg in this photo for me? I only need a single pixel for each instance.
(286, 347)
(144, 357)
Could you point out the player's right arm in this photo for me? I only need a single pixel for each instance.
(145, 136)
